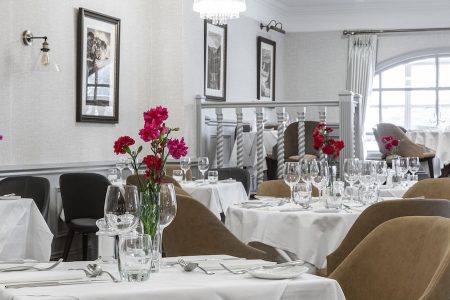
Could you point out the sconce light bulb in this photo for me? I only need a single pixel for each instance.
(45, 59)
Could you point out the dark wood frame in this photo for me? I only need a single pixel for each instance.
(224, 96)
(82, 13)
(261, 40)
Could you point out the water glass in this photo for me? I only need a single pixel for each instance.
(203, 166)
(302, 194)
(368, 195)
(112, 175)
(381, 172)
(122, 208)
(135, 252)
(402, 167)
(213, 177)
(414, 165)
(177, 175)
(121, 163)
(185, 164)
(320, 175)
(291, 176)
(334, 195)
(368, 173)
(352, 171)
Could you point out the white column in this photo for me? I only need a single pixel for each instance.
(239, 138)
(259, 144)
(219, 149)
(280, 141)
(301, 116)
(347, 123)
(322, 119)
(359, 149)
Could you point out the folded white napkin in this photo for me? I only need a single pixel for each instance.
(39, 276)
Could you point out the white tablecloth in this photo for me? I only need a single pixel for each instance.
(249, 138)
(310, 235)
(172, 284)
(434, 139)
(217, 197)
(23, 231)
(396, 192)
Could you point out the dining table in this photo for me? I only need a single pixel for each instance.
(309, 234)
(216, 196)
(169, 283)
(24, 234)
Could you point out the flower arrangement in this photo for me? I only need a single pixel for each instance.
(157, 134)
(390, 144)
(328, 145)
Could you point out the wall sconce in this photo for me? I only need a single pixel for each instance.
(273, 25)
(28, 38)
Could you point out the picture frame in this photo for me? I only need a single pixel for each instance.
(215, 61)
(266, 66)
(98, 62)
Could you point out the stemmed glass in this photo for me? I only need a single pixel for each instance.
(321, 171)
(352, 170)
(402, 166)
(185, 164)
(203, 166)
(381, 172)
(305, 171)
(167, 207)
(414, 166)
(121, 163)
(122, 208)
(291, 176)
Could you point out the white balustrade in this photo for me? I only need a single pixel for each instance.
(280, 141)
(239, 138)
(301, 132)
(219, 153)
(259, 144)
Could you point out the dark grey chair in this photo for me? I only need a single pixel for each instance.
(83, 198)
(37, 188)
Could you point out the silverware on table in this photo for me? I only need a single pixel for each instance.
(191, 266)
(237, 272)
(26, 268)
(280, 265)
(51, 283)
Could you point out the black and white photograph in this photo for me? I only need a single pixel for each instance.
(98, 67)
(215, 61)
(266, 69)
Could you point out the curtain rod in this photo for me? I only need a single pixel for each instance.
(356, 32)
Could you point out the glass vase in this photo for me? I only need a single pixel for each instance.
(150, 223)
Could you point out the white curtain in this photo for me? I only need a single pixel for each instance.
(362, 57)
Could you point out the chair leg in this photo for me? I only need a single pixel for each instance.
(85, 245)
(69, 239)
(430, 167)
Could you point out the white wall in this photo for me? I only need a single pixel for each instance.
(37, 110)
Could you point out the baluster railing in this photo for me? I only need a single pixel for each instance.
(322, 119)
(280, 141)
(259, 144)
(219, 153)
(301, 116)
(239, 138)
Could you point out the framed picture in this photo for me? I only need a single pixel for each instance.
(266, 69)
(215, 61)
(98, 60)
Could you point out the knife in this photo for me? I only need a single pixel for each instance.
(51, 283)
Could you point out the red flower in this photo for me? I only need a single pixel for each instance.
(177, 148)
(386, 139)
(1, 137)
(149, 132)
(388, 147)
(328, 149)
(121, 142)
(339, 144)
(329, 129)
(156, 115)
(154, 163)
(394, 143)
(318, 142)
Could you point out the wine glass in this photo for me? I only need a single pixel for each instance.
(352, 171)
(291, 176)
(121, 163)
(368, 173)
(320, 181)
(167, 207)
(203, 166)
(177, 175)
(414, 166)
(381, 172)
(122, 208)
(185, 164)
(402, 167)
(305, 171)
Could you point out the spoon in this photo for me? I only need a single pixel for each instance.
(96, 270)
(191, 266)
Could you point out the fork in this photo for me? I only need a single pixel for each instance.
(191, 266)
(237, 272)
(26, 268)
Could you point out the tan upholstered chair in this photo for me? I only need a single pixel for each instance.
(170, 168)
(133, 180)
(197, 231)
(278, 188)
(437, 188)
(403, 258)
(407, 148)
(379, 213)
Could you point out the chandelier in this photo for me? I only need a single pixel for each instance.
(219, 11)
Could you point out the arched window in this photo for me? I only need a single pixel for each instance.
(413, 93)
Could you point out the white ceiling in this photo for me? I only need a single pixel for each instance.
(324, 15)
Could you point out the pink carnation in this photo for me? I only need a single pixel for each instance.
(177, 148)
(149, 132)
(156, 115)
(1, 137)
